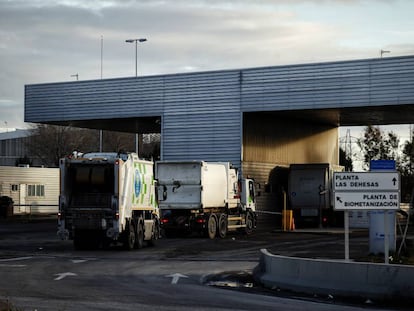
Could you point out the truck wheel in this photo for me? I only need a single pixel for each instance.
(155, 234)
(139, 242)
(249, 223)
(129, 238)
(222, 226)
(212, 226)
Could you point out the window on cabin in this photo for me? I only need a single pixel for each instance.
(35, 190)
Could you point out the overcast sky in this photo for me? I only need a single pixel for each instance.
(52, 41)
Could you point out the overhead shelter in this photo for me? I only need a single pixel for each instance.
(256, 118)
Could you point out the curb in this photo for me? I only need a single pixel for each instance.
(336, 277)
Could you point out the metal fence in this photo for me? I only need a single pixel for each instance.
(35, 209)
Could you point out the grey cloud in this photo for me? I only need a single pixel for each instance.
(49, 40)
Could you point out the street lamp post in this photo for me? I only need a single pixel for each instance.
(136, 51)
(136, 74)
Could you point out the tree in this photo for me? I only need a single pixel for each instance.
(50, 143)
(407, 170)
(375, 147)
(345, 160)
(116, 141)
(407, 158)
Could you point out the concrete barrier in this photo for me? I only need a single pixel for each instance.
(336, 277)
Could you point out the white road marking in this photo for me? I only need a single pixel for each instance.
(82, 260)
(61, 276)
(15, 259)
(175, 277)
(12, 266)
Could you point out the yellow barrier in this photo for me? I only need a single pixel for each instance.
(288, 222)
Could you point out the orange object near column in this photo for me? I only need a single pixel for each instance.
(288, 222)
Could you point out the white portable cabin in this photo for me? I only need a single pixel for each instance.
(34, 190)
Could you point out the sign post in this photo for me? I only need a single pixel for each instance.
(383, 165)
(346, 224)
(366, 191)
(386, 239)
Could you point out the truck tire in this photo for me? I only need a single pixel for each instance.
(129, 241)
(211, 226)
(155, 234)
(222, 226)
(139, 240)
(249, 223)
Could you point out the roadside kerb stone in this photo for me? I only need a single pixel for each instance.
(336, 277)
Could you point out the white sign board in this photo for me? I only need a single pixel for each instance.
(362, 181)
(366, 190)
(367, 200)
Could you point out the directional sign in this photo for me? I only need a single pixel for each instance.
(366, 181)
(384, 200)
(366, 190)
(375, 165)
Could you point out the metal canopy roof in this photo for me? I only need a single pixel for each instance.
(348, 93)
(129, 125)
(356, 116)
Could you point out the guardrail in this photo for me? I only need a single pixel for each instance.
(35, 209)
(336, 277)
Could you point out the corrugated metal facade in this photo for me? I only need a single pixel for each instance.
(202, 112)
(201, 119)
(371, 82)
(97, 99)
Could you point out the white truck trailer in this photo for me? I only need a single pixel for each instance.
(204, 197)
(311, 195)
(108, 197)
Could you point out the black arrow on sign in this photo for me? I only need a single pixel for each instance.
(394, 180)
(339, 199)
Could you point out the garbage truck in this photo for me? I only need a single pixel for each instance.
(108, 198)
(204, 197)
(311, 195)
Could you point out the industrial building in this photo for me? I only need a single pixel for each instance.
(260, 119)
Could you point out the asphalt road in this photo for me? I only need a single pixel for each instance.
(40, 272)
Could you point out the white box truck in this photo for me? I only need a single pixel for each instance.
(204, 197)
(108, 197)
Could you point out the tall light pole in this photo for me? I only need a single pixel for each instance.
(136, 51)
(136, 74)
